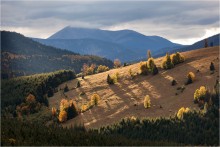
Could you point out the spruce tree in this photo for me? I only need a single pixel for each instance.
(212, 67)
(78, 84)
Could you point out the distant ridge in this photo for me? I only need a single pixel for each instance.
(128, 44)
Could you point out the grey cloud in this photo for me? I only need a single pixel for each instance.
(163, 15)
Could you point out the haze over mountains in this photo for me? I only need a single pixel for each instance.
(127, 45)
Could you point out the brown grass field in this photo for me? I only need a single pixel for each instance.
(125, 98)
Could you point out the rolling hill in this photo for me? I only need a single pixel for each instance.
(101, 42)
(125, 98)
(23, 56)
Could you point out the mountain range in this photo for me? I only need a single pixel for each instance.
(126, 45)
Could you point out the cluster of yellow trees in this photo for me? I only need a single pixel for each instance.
(148, 67)
(200, 95)
(170, 61)
(68, 110)
(102, 68)
(113, 79)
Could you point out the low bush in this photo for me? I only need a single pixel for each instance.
(190, 78)
(102, 68)
(143, 68)
(174, 82)
(212, 67)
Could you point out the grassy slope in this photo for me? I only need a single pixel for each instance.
(117, 101)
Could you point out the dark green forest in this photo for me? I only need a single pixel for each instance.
(196, 128)
(23, 56)
(15, 90)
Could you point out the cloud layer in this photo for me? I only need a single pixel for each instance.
(180, 21)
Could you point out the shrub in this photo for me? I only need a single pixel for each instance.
(95, 98)
(143, 68)
(110, 80)
(190, 78)
(181, 112)
(117, 63)
(155, 70)
(102, 68)
(66, 88)
(167, 63)
(147, 102)
(212, 67)
(173, 82)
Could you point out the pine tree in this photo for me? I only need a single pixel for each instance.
(66, 88)
(110, 80)
(212, 67)
(78, 84)
(155, 70)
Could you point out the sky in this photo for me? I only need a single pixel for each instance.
(183, 21)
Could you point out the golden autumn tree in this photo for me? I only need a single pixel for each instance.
(62, 116)
(147, 101)
(54, 111)
(95, 98)
(181, 112)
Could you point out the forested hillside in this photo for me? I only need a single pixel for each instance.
(23, 56)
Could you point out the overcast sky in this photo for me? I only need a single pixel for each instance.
(182, 22)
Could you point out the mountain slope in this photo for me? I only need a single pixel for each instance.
(92, 47)
(23, 56)
(125, 98)
(103, 40)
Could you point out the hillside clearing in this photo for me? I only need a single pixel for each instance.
(126, 97)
